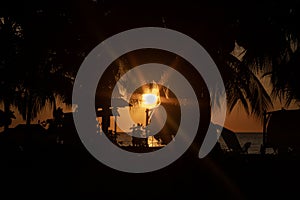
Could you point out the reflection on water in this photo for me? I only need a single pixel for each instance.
(256, 140)
(124, 139)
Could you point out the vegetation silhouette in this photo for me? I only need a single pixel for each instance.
(52, 41)
(43, 43)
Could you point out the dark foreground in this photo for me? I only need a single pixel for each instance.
(72, 171)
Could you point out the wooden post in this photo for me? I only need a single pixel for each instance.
(263, 147)
(147, 116)
(147, 123)
(115, 124)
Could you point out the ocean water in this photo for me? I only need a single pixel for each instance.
(255, 139)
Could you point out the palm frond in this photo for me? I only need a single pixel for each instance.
(242, 85)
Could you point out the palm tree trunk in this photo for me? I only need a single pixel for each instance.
(29, 111)
(53, 101)
(6, 112)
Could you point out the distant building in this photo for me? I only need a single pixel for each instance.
(24, 136)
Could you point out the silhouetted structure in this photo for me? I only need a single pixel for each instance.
(65, 132)
(107, 111)
(24, 137)
(6, 118)
(281, 131)
(232, 141)
(138, 138)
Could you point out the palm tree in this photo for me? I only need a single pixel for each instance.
(42, 86)
(219, 36)
(11, 35)
(46, 75)
(271, 40)
(242, 85)
(269, 34)
(6, 119)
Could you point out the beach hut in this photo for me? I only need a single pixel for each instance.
(281, 131)
(24, 136)
(106, 111)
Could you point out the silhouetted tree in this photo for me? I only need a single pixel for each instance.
(57, 35)
(44, 74)
(6, 118)
(270, 38)
(11, 37)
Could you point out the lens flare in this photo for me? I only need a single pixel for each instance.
(150, 100)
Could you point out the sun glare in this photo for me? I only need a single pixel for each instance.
(150, 100)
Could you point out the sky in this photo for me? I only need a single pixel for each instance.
(237, 120)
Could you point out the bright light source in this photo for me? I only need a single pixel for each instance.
(150, 100)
